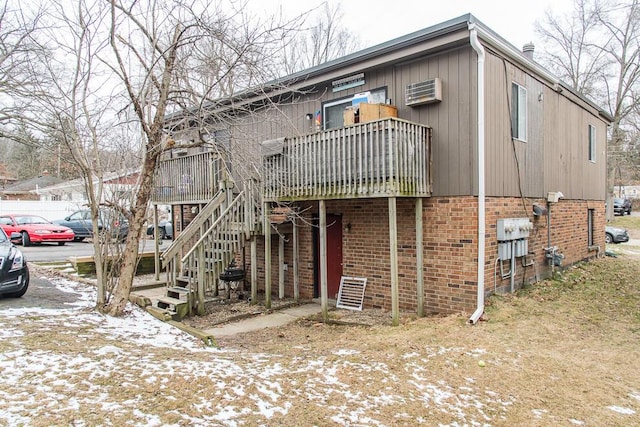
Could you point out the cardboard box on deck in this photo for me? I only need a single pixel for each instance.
(368, 112)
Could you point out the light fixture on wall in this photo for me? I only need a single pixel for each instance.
(539, 210)
(554, 196)
(347, 228)
(308, 116)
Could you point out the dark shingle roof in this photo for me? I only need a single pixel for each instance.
(33, 183)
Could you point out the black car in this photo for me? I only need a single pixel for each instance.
(14, 273)
(621, 206)
(615, 235)
(109, 221)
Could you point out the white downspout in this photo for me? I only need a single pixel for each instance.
(475, 44)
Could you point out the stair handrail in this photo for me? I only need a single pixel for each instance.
(194, 226)
(239, 199)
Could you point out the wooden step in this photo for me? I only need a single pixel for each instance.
(170, 302)
(179, 293)
(177, 308)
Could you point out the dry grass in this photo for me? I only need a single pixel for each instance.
(564, 349)
(562, 352)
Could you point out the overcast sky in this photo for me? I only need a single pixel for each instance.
(378, 21)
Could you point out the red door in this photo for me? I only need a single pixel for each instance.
(334, 256)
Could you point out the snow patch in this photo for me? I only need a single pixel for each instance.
(621, 410)
(345, 352)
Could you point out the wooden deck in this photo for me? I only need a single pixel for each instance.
(187, 179)
(384, 158)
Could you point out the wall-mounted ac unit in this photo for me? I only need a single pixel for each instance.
(424, 92)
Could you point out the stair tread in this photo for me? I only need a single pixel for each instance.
(171, 300)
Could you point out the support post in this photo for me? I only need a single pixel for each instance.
(419, 259)
(281, 267)
(254, 270)
(393, 252)
(228, 188)
(267, 255)
(156, 245)
(296, 260)
(201, 279)
(324, 300)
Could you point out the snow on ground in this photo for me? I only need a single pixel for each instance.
(77, 367)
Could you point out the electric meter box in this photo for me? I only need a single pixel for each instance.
(513, 228)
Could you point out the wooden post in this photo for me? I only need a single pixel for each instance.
(228, 188)
(296, 260)
(324, 300)
(393, 252)
(201, 276)
(419, 259)
(254, 270)
(281, 267)
(267, 255)
(156, 246)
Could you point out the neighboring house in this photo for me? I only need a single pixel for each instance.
(117, 186)
(470, 169)
(6, 178)
(629, 191)
(27, 189)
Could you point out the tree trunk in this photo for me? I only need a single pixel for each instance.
(128, 266)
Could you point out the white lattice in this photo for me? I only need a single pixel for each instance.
(351, 294)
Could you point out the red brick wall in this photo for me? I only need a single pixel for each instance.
(450, 248)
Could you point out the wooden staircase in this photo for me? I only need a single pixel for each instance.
(203, 251)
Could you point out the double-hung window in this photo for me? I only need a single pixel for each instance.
(518, 112)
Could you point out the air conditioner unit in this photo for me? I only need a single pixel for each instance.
(424, 92)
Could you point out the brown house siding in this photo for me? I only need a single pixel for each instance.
(555, 155)
(453, 119)
(450, 248)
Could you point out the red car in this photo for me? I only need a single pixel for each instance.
(35, 229)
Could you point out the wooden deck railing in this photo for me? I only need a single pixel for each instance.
(189, 179)
(384, 158)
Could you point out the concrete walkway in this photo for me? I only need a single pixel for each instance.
(274, 319)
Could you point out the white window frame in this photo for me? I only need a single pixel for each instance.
(592, 143)
(377, 96)
(342, 101)
(518, 112)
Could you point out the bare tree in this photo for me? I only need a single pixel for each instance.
(325, 39)
(620, 23)
(118, 75)
(571, 46)
(157, 47)
(16, 45)
(597, 49)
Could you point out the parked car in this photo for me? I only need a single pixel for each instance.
(621, 206)
(14, 272)
(109, 221)
(35, 229)
(165, 229)
(615, 234)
